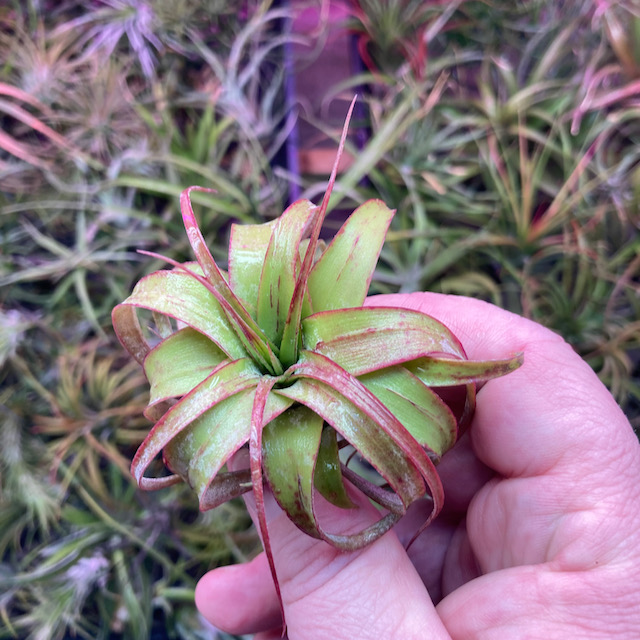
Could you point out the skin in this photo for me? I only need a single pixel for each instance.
(539, 537)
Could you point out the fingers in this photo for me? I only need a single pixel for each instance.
(557, 531)
(372, 593)
(517, 429)
(240, 599)
(555, 431)
(441, 554)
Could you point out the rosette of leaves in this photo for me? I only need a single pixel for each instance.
(280, 356)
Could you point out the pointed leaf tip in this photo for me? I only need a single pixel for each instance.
(291, 331)
(342, 275)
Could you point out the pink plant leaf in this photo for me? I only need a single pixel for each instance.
(178, 295)
(342, 275)
(179, 363)
(225, 381)
(281, 357)
(15, 148)
(290, 446)
(290, 450)
(22, 151)
(199, 452)
(251, 336)
(202, 448)
(444, 371)
(291, 334)
(383, 454)
(278, 276)
(420, 410)
(440, 370)
(381, 438)
(265, 385)
(241, 320)
(366, 339)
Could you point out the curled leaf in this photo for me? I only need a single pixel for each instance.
(280, 358)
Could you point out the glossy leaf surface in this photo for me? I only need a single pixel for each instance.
(225, 381)
(363, 339)
(180, 363)
(328, 478)
(341, 277)
(278, 277)
(290, 446)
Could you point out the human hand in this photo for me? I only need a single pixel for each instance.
(539, 536)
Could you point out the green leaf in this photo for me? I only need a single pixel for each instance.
(365, 339)
(247, 250)
(200, 451)
(180, 296)
(289, 450)
(420, 410)
(364, 421)
(127, 327)
(445, 372)
(341, 277)
(138, 620)
(366, 435)
(278, 278)
(225, 381)
(291, 333)
(180, 363)
(359, 428)
(251, 336)
(328, 476)
(247, 329)
(204, 446)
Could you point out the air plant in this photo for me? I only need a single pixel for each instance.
(280, 355)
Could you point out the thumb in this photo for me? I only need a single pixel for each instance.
(374, 592)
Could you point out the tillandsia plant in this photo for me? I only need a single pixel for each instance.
(279, 355)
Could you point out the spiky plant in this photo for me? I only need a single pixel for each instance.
(280, 355)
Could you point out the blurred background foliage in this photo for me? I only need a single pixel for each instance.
(506, 134)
